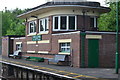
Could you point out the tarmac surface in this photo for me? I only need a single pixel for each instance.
(77, 73)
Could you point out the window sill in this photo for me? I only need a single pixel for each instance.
(45, 32)
(64, 30)
(66, 53)
(31, 34)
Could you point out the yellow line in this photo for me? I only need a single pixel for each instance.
(71, 73)
(58, 71)
(85, 76)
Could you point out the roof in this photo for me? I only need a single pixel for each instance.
(92, 5)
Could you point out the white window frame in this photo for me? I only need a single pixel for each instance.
(64, 47)
(19, 47)
(95, 21)
(47, 26)
(32, 26)
(67, 24)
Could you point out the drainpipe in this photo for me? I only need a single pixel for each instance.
(82, 34)
(82, 49)
(117, 36)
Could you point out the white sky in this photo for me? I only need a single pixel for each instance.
(23, 4)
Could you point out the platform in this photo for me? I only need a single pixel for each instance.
(66, 71)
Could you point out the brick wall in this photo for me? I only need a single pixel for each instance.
(53, 46)
(75, 46)
(5, 48)
(107, 50)
(24, 44)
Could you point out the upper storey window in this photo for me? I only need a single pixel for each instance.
(43, 25)
(64, 23)
(32, 27)
(93, 22)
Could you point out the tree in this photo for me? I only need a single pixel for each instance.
(11, 25)
(107, 21)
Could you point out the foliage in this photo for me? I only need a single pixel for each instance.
(11, 25)
(107, 21)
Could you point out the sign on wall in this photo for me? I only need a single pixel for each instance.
(37, 38)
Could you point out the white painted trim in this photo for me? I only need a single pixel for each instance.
(31, 51)
(19, 38)
(64, 40)
(43, 22)
(93, 36)
(46, 72)
(33, 27)
(46, 52)
(44, 41)
(43, 32)
(18, 42)
(76, 22)
(12, 38)
(95, 22)
(67, 23)
(76, 32)
(101, 32)
(31, 34)
(64, 53)
(58, 23)
(31, 42)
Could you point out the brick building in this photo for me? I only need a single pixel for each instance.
(65, 28)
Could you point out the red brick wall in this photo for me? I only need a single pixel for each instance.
(75, 46)
(80, 24)
(53, 46)
(5, 48)
(107, 50)
(24, 44)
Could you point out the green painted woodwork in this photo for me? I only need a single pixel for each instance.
(38, 59)
(93, 53)
(82, 49)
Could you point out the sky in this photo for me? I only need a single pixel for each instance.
(23, 4)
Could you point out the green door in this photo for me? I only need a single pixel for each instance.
(93, 53)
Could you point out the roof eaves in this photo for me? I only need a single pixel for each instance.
(48, 6)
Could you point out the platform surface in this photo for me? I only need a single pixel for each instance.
(76, 73)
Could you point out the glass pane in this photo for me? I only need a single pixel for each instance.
(91, 22)
(31, 30)
(68, 44)
(46, 24)
(96, 22)
(62, 44)
(41, 25)
(68, 49)
(56, 22)
(31, 27)
(63, 22)
(63, 49)
(71, 22)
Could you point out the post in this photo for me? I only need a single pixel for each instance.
(82, 49)
(117, 34)
(83, 41)
(27, 74)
